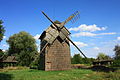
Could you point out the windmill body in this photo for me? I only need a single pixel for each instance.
(56, 55)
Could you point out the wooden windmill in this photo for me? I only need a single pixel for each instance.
(55, 47)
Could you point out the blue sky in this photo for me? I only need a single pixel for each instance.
(96, 31)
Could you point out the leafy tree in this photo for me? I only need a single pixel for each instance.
(88, 60)
(2, 30)
(103, 56)
(77, 59)
(116, 62)
(117, 51)
(23, 46)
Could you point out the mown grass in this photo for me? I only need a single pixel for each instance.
(74, 74)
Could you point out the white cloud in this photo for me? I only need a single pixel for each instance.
(107, 33)
(96, 48)
(84, 27)
(90, 34)
(118, 38)
(4, 37)
(36, 36)
(80, 44)
(83, 34)
(3, 50)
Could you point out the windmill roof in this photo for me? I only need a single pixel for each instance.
(56, 22)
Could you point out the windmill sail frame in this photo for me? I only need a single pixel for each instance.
(61, 31)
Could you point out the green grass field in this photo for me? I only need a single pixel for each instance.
(74, 74)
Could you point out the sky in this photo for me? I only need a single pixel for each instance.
(96, 31)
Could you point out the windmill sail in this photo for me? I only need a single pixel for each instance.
(72, 18)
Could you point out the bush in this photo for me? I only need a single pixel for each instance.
(116, 63)
(77, 59)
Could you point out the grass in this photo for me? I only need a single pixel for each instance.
(74, 74)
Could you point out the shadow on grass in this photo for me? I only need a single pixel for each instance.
(102, 69)
(98, 68)
(4, 76)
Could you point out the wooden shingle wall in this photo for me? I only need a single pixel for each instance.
(56, 56)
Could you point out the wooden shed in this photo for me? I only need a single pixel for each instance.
(9, 61)
(102, 62)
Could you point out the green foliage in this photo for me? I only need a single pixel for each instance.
(34, 64)
(2, 30)
(77, 59)
(116, 63)
(23, 46)
(88, 60)
(117, 52)
(103, 56)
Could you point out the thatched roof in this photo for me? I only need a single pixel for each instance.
(109, 60)
(10, 59)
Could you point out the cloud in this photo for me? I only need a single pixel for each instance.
(112, 33)
(4, 37)
(36, 37)
(118, 38)
(84, 27)
(83, 34)
(3, 50)
(80, 44)
(96, 48)
(90, 34)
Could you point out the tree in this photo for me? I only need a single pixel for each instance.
(103, 56)
(77, 59)
(88, 60)
(116, 62)
(2, 30)
(117, 51)
(23, 46)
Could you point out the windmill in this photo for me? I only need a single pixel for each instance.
(55, 48)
